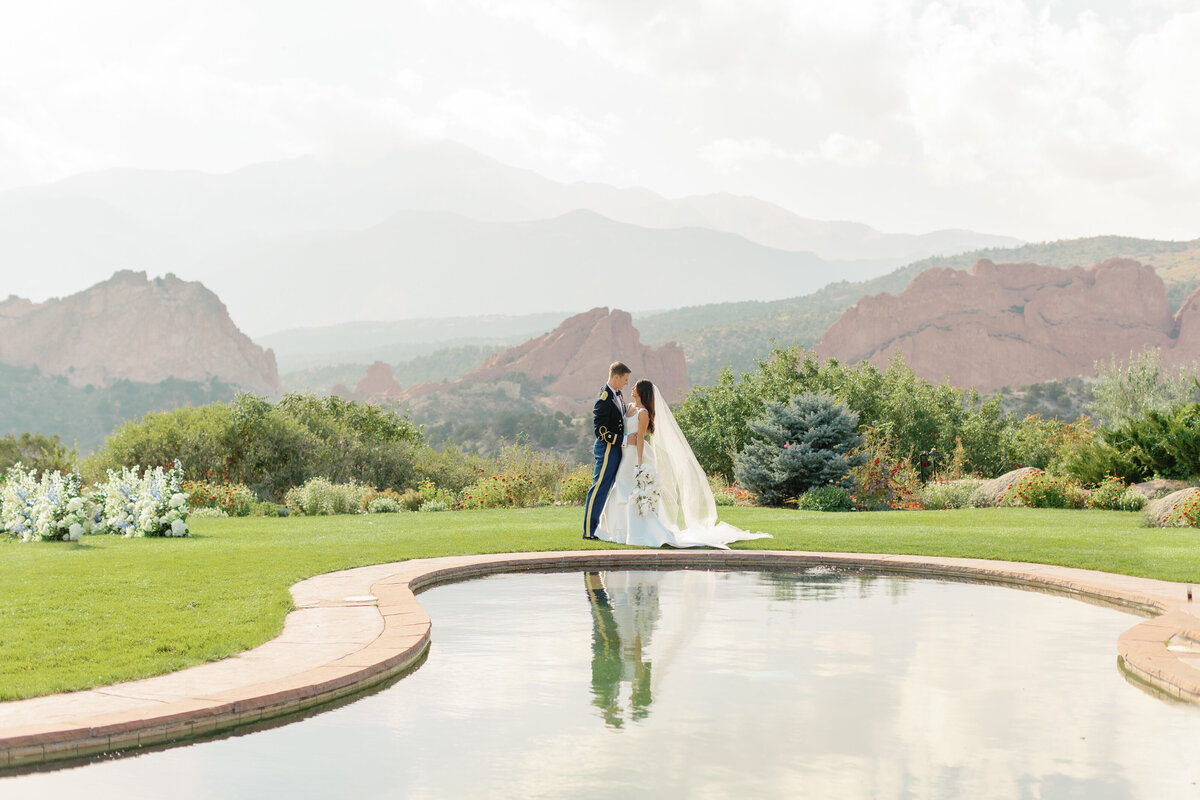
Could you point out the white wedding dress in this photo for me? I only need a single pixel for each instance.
(686, 514)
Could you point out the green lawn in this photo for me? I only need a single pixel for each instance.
(108, 609)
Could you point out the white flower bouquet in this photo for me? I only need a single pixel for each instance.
(645, 492)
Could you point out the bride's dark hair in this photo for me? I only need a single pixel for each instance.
(644, 390)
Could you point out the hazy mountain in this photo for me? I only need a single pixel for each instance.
(420, 264)
(197, 223)
(399, 341)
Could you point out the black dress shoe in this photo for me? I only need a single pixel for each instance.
(597, 538)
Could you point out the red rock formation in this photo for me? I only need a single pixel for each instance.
(378, 382)
(132, 328)
(1016, 324)
(575, 357)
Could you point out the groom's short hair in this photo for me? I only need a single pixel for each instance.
(618, 368)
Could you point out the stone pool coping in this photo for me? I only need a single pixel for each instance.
(355, 629)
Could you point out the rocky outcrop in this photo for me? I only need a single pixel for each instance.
(573, 359)
(1017, 324)
(378, 382)
(136, 329)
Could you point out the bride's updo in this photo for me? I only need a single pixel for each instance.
(644, 390)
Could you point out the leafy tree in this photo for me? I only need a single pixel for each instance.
(1128, 389)
(796, 447)
(272, 447)
(37, 452)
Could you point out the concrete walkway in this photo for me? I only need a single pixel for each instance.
(354, 629)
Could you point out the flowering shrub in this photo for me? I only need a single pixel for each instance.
(825, 498)
(1185, 513)
(432, 494)
(235, 499)
(1112, 494)
(573, 489)
(1043, 490)
(500, 491)
(881, 482)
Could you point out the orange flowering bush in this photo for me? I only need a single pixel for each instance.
(881, 481)
(500, 491)
(1043, 490)
(235, 499)
(1184, 514)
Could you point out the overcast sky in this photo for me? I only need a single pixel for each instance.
(1033, 118)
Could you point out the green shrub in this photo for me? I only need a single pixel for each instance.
(434, 505)
(36, 452)
(383, 505)
(573, 489)
(1112, 494)
(939, 495)
(1043, 490)
(796, 447)
(271, 447)
(206, 511)
(411, 500)
(265, 510)
(824, 498)
(320, 496)
(428, 493)
(724, 499)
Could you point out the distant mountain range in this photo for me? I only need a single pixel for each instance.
(430, 230)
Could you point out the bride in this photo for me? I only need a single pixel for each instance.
(684, 513)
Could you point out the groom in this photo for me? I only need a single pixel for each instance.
(608, 416)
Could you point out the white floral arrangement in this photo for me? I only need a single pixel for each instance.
(52, 509)
(159, 505)
(645, 492)
(129, 504)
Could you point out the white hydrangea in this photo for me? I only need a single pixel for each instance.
(129, 503)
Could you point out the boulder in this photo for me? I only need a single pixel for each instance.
(993, 491)
(1159, 487)
(1158, 511)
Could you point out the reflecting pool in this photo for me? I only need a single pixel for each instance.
(715, 684)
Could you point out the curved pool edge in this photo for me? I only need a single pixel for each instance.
(339, 642)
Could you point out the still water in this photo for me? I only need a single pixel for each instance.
(709, 684)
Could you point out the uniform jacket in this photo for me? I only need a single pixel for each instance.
(607, 418)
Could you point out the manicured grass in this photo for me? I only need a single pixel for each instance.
(108, 609)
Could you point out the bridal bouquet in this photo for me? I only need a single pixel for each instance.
(645, 491)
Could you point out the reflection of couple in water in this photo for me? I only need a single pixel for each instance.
(629, 608)
(624, 613)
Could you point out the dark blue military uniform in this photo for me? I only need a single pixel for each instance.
(609, 423)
